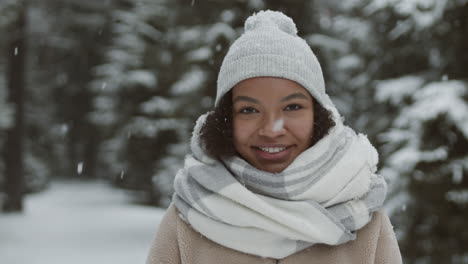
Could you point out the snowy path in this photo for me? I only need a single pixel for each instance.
(78, 223)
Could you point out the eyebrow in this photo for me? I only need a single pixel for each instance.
(245, 98)
(294, 96)
(284, 99)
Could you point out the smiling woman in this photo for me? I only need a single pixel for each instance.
(274, 176)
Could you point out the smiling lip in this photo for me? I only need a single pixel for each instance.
(276, 153)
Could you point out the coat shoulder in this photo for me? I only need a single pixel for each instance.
(388, 250)
(165, 246)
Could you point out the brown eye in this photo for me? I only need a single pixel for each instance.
(293, 107)
(248, 110)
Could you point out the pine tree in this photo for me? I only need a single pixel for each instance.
(128, 87)
(82, 30)
(14, 143)
(425, 145)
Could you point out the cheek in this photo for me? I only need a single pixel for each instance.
(302, 128)
(242, 131)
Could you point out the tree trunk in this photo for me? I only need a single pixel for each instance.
(14, 174)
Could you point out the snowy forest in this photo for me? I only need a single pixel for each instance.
(111, 89)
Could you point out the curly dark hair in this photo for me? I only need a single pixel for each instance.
(216, 133)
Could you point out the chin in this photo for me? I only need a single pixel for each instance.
(274, 169)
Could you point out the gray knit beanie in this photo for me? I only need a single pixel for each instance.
(270, 47)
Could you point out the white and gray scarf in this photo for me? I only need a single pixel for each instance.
(324, 196)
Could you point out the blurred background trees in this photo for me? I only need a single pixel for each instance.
(112, 89)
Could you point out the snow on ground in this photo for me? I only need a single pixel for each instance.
(78, 222)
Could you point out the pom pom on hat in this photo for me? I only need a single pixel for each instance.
(270, 18)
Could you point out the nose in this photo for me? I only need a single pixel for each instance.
(272, 127)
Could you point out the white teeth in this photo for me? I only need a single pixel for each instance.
(272, 150)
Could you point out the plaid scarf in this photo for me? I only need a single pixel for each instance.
(324, 196)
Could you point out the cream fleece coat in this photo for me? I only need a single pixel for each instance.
(177, 243)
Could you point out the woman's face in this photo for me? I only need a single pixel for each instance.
(273, 121)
